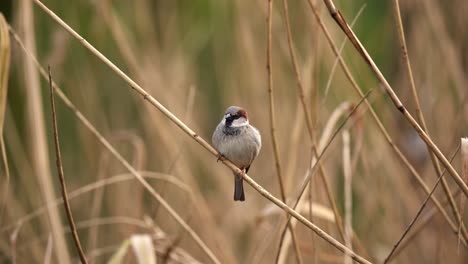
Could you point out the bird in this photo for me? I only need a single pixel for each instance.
(238, 141)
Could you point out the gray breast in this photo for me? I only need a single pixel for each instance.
(240, 145)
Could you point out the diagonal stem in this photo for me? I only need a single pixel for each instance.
(419, 114)
(63, 186)
(273, 127)
(423, 205)
(301, 92)
(119, 157)
(199, 140)
(340, 20)
(376, 119)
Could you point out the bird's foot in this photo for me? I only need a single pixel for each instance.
(242, 174)
(220, 157)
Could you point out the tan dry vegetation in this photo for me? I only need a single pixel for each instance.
(196, 58)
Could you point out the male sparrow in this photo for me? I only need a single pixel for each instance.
(235, 139)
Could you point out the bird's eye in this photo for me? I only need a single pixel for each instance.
(232, 116)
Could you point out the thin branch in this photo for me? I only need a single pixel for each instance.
(292, 54)
(6, 190)
(417, 230)
(387, 259)
(301, 92)
(348, 202)
(340, 20)
(343, 43)
(101, 184)
(62, 177)
(199, 140)
(5, 53)
(419, 114)
(376, 119)
(38, 148)
(273, 127)
(312, 170)
(120, 158)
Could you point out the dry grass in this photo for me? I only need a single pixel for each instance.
(198, 57)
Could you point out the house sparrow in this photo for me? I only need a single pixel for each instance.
(235, 139)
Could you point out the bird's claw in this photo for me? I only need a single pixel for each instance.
(242, 174)
(220, 157)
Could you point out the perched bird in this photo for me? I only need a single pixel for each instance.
(235, 139)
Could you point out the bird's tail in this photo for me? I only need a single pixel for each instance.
(239, 188)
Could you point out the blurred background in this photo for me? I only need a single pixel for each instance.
(197, 58)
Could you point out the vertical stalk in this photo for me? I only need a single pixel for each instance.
(38, 140)
(273, 127)
(419, 114)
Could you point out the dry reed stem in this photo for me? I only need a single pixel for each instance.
(347, 192)
(103, 250)
(195, 137)
(340, 20)
(118, 33)
(325, 141)
(328, 190)
(98, 185)
(137, 162)
(146, 225)
(271, 100)
(292, 54)
(322, 146)
(62, 177)
(300, 87)
(97, 199)
(423, 205)
(6, 184)
(343, 44)
(436, 22)
(425, 220)
(319, 211)
(187, 116)
(464, 166)
(121, 159)
(113, 220)
(128, 51)
(376, 119)
(419, 114)
(5, 52)
(48, 251)
(38, 144)
(160, 236)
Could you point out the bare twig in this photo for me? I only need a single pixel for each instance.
(199, 140)
(273, 128)
(464, 166)
(62, 177)
(376, 119)
(5, 52)
(120, 158)
(343, 43)
(314, 166)
(419, 114)
(347, 191)
(100, 184)
(38, 144)
(340, 20)
(424, 221)
(387, 259)
(301, 93)
(292, 54)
